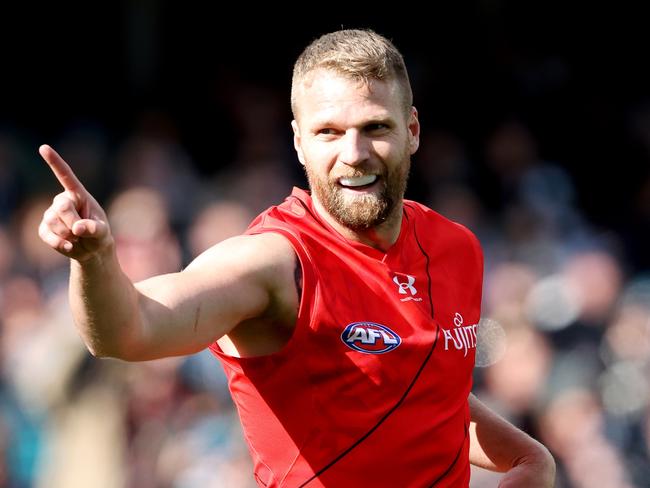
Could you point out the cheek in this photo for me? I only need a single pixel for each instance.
(319, 158)
(392, 153)
(384, 149)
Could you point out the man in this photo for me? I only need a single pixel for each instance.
(345, 318)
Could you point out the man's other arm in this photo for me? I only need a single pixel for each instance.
(497, 445)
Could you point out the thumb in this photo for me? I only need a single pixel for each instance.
(89, 228)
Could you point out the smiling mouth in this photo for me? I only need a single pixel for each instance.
(358, 182)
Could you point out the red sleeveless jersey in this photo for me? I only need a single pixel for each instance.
(371, 390)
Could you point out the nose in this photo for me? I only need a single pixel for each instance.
(354, 148)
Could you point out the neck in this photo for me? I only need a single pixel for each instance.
(381, 237)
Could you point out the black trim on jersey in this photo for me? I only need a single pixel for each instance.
(257, 478)
(297, 278)
(426, 256)
(381, 421)
(453, 463)
(408, 390)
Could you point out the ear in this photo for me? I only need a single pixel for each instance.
(414, 130)
(296, 142)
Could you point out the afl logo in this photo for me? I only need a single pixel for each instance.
(370, 338)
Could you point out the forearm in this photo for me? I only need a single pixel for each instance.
(104, 304)
(155, 318)
(497, 445)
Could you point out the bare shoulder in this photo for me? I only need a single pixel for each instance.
(256, 275)
(241, 281)
(267, 256)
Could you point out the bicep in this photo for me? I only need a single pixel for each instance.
(182, 313)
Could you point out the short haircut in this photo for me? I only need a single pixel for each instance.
(362, 55)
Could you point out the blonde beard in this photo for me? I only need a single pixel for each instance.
(362, 211)
(358, 212)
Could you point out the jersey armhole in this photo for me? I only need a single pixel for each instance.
(307, 297)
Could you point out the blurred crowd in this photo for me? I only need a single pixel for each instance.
(564, 348)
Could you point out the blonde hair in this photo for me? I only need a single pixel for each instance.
(363, 55)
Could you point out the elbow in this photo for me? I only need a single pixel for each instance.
(116, 340)
(542, 456)
(102, 352)
(97, 352)
(541, 461)
(547, 461)
(124, 352)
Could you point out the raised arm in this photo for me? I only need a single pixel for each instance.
(497, 445)
(168, 315)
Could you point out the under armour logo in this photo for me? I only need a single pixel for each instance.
(406, 287)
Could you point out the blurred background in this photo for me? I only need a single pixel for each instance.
(535, 134)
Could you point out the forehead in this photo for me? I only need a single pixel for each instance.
(325, 94)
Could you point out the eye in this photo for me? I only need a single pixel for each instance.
(327, 133)
(376, 127)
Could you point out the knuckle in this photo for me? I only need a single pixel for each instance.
(64, 204)
(50, 217)
(63, 232)
(51, 240)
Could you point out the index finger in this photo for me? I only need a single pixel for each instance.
(61, 169)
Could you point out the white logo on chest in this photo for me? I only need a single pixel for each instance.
(462, 337)
(407, 288)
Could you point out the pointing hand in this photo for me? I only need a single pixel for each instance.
(74, 225)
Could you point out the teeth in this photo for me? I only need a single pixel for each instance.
(359, 181)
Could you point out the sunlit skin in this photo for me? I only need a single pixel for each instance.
(355, 141)
(345, 132)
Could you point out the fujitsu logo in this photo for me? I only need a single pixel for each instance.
(405, 286)
(462, 337)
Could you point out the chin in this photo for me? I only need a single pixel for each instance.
(362, 212)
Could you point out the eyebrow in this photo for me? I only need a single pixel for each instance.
(380, 120)
(373, 120)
